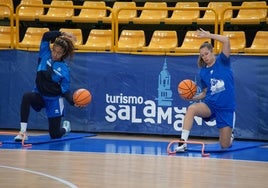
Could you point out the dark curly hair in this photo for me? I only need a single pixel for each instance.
(67, 46)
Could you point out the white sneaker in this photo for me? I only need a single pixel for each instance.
(20, 136)
(182, 147)
(67, 126)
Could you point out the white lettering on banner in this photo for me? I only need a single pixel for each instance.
(134, 119)
(110, 110)
(124, 112)
(124, 99)
(126, 108)
(164, 115)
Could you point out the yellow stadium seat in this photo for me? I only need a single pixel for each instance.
(184, 16)
(32, 38)
(98, 40)
(162, 41)
(77, 33)
(4, 10)
(259, 44)
(237, 40)
(30, 13)
(6, 36)
(251, 16)
(62, 14)
(131, 40)
(219, 7)
(152, 16)
(125, 16)
(93, 14)
(191, 43)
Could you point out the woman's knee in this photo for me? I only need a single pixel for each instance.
(192, 109)
(55, 135)
(26, 97)
(55, 130)
(199, 109)
(225, 143)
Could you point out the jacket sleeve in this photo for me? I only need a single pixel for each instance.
(48, 37)
(51, 35)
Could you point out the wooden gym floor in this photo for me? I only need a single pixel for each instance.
(113, 162)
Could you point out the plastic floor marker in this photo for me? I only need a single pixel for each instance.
(187, 142)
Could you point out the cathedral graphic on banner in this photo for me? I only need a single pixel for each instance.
(164, 89)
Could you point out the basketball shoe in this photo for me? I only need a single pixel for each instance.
(67, 126)
(20, 136)
(182, 147)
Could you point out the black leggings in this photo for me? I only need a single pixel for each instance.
(36, 101)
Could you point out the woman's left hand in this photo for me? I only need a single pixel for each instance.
(201, 33)
(70, 36)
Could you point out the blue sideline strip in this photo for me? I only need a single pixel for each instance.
(237, 145)
(101, 145)
(42, 139)
(117, 145)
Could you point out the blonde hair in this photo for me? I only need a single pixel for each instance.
(200, 61)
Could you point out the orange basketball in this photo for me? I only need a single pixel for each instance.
(82, 97)
(187, 89)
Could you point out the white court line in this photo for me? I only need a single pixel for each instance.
(42, 174)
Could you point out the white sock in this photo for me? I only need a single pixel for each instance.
(185, 134)
(23, 127)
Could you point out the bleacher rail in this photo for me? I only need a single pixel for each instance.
(11, 18)
(55, 6)
(222, 22)
(115, 22)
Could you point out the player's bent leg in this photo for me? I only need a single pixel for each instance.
(55, 130)
(197, 109)
(28, 99)
(226, 137)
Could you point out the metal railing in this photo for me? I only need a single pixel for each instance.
(115, 22)
(11, 18)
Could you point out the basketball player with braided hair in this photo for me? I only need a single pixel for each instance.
(217, 95)
(52, 84)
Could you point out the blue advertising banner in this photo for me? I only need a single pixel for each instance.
(136, 93)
